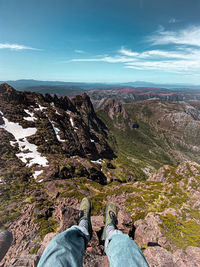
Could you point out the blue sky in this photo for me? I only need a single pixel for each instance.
(100, 41)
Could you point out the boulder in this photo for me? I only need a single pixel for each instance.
(24, 261)
(159, 257)
(148, 231)
(125, 222)
(189, 258)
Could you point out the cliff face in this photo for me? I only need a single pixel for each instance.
(37, 130)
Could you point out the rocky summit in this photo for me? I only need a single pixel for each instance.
(143, 156)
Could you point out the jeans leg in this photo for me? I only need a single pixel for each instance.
(66, 249)
(122, 251)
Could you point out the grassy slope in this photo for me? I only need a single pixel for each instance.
(139, 147)
(155, 142)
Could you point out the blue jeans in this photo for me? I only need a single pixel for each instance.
(67, 249)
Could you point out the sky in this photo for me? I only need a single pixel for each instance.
(100, 40)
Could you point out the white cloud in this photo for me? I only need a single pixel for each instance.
(154, 54)
(169, 66)
(128, 52)
(182, 57)
(189, 36)
(16, 47)
(173, 20)
(170, 61)
(79, 51)
(108, 59)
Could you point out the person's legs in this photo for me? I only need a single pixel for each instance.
(67, 248)
(120, 249)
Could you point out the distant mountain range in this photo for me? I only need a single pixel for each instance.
(31, 85)
(130, 94)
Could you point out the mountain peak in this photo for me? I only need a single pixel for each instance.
(6, 87)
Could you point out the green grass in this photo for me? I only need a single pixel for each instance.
(99, 202)
(141, 144)
(34, 250)
(46, 226)
(181, 233)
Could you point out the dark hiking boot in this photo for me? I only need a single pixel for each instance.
(110, 218)
(85, 213)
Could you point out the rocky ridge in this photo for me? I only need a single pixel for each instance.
(131, 94)
(161, 214)
(53, 130)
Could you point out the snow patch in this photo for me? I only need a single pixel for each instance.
(37, 173)
(29, 153)
(13, 143)
(56, 130)
(57, 112)
(33, 156)
(53, 105)
(31, 114)
(41, 180)
(40, 108)
(72, 122)
(97, 161)
(17, 130)
(91, 140)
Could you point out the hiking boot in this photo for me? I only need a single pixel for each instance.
(110, 218)
(84, 213)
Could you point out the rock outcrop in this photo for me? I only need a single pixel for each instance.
(48, 128)
(149, 233)
(165, 216)
(160, 257)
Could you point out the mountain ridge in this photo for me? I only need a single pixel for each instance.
(57, 126)
(23, 83)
